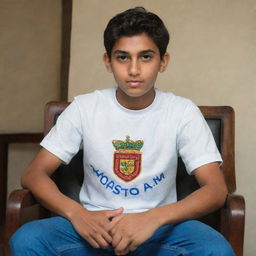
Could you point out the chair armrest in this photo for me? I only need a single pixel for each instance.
(232, 222)
(21, 208)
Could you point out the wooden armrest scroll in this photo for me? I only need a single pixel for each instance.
(232, 222)
(21, 208)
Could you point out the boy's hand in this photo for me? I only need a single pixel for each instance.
(94, 226)
(128, 231)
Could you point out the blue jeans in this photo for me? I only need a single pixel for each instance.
(56, 236)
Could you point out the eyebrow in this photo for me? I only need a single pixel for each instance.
(126, 53)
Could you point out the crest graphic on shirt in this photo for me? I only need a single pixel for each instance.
(127, 158)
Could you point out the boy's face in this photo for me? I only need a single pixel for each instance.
(135, 63)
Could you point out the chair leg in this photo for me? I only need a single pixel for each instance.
(6, 250)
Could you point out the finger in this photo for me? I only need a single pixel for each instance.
(101, 241)
(116, 239)
(122, 253)
(123, 247)
(114, 222)
(92, 242)
(113, 213)
(133, 246)
(116, 219)
(103, 238)
(107, 236)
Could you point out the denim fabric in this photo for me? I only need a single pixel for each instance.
(56, 236)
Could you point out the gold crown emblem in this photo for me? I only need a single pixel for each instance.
(128, 144)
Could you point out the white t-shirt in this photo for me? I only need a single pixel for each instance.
(130, 156)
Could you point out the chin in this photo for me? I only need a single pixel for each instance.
(135, 92)
(134, 95)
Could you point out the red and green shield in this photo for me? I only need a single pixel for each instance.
(127, 166)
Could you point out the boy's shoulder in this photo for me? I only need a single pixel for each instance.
(94, 97)
(175, 101)
(95, 94)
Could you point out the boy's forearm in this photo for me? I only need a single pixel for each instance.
(201, 202)
(36, 177)
(48, 194)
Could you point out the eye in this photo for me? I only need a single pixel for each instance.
(146, 57)
(122, 58)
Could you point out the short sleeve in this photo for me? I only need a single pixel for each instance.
(65, 138)
(195, 142)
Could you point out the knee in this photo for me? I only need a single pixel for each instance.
(218, 247)
(208, 240)
(26, 239)
(221, 248)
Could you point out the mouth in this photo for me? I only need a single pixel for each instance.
(134, 83)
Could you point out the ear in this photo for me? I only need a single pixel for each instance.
(164, 62)
(107, 62)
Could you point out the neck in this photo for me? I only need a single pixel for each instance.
(135, 103)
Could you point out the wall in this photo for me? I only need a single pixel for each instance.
(213, 62)
(30, 46)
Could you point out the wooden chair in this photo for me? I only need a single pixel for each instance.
(229, 220)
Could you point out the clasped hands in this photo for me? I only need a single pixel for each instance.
(124, 232)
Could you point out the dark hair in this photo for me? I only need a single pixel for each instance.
(133, 22)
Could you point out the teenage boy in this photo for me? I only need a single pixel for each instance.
(131, 136)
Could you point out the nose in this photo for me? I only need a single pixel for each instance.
(134, 68)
